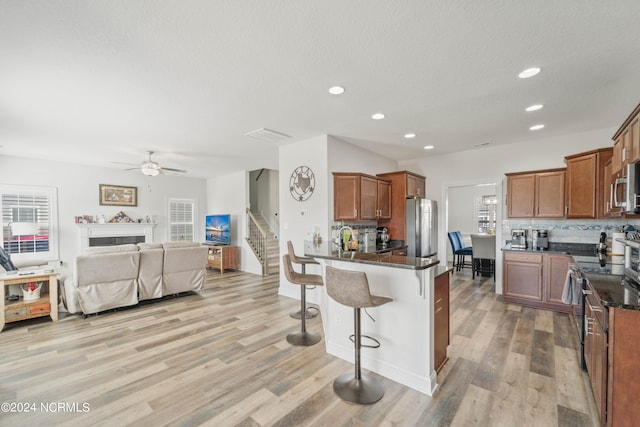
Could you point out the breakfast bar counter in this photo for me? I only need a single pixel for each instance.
(404, 327)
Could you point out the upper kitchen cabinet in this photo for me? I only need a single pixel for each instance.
(416, 185)
(585, 183)
(403, 184)
(626, 147)
(626, 150)
(536, 194)
(358, 197)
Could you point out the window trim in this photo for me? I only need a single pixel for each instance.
(31, 258)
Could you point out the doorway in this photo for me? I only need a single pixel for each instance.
(474, 207)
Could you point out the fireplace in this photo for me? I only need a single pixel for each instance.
(114, 234)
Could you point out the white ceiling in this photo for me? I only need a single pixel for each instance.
(98, 81)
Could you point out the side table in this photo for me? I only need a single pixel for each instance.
(46, 305)
(223, 258)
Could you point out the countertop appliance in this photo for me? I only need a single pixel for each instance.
(519, 239)
(422, 227)
(369, 241)
(626, 190)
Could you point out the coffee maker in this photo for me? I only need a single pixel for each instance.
(519, 239)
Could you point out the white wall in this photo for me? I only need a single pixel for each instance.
(229, 194)
(78, 190)
(298, 220)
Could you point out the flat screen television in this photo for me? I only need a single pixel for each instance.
(218, 229)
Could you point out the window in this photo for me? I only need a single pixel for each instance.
(29, 223)
(181, 220)
(486, 213)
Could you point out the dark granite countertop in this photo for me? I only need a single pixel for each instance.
(392, 245)
(327, 250)
(578, 249)
(615, 291)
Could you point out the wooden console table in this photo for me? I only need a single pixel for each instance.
(46, 305)
(223, 258)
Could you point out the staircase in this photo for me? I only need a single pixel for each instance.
(263, 243)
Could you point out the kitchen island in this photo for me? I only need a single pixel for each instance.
(405, 327)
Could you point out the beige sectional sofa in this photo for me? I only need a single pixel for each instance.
(118, 276)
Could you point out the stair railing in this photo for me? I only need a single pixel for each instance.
(258, 241)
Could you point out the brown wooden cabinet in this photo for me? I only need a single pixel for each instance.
(595, 349)
(585, 183)
(416, 185)
(626, 150)
(535, 279)
(522, 277)
(223, 258)
(611, 348)
(441, 319)
(556, 267)
(621, 358)
(403, 184)
(538, 194)
(358, 197)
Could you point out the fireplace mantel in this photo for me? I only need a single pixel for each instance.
(88, 231)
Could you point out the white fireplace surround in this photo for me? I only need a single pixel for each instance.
(88, 231)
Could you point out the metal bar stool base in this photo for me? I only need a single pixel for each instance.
(363, 391)
(303, 338)
(310, 313)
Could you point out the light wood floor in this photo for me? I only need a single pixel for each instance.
(221, 359)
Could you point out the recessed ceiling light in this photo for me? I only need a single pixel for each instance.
(536, 127)
(378, 116)
(534, 107)
(529, 72)
(428, 147)
(409, 135)
(336, 90)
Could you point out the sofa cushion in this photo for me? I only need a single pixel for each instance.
(172, 245)
(143, 246)
(130, 247)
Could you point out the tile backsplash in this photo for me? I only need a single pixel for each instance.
(569, 230)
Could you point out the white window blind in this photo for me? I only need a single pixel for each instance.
(36, 208)
(181, 220)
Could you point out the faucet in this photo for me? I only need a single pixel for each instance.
(340, 239)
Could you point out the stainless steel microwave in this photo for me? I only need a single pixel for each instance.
(626, 190)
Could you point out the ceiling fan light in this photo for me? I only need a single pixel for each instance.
(150, 169)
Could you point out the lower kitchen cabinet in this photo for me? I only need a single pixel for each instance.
(595, 350)
(535, 279)
(441, 319)
(622, 385)
(611, 348)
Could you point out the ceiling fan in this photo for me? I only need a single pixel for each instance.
(151, 168)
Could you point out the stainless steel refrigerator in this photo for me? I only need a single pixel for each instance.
(422, 227)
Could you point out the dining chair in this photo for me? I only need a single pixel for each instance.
(484, 254)
(459, 250)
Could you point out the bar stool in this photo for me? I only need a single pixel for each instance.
(310, 312)
(303, 337)
(351, 288)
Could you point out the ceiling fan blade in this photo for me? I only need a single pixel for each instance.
(125, 163)
(173, 170)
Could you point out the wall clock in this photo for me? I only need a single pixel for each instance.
(302, 183)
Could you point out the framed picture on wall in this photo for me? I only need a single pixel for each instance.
(117, 195)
